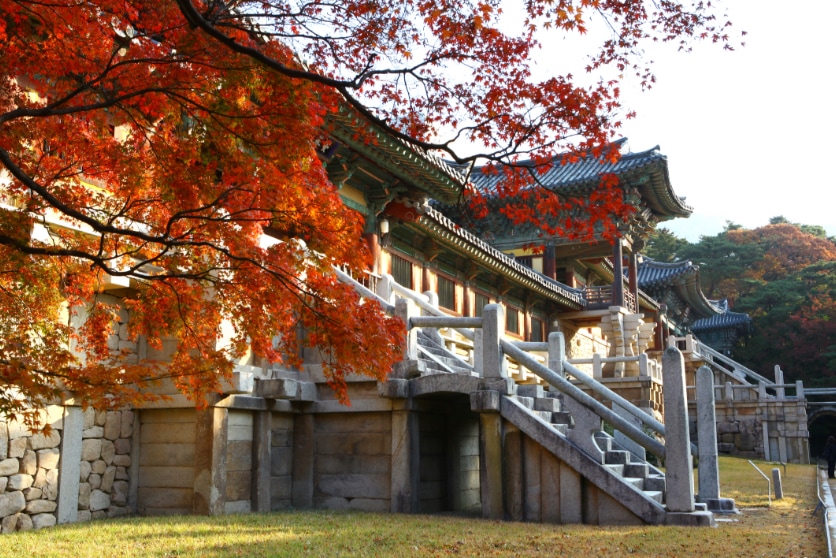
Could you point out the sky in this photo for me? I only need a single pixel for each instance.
(748, 134)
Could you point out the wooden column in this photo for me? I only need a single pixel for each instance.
(549, 265)
(633, 277)
(618, 272)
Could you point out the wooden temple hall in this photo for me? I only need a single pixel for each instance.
(604, 296)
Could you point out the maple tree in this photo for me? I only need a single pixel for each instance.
(156, 142)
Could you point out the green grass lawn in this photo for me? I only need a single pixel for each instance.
(787, 528)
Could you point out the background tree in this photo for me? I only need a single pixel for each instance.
(664, 246)
(785, 279)
(167, 136)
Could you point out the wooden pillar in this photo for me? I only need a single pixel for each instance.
(633, 277)
(549, 266)
(618, 272)
(426, 280)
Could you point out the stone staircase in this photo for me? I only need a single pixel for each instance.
(635, 471)
(437, 358)
(546, 405)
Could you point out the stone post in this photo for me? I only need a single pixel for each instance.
(405, 478)
(262, 426)
(678, 463)
(779, 379)
(557, 352)
(493, 326)
(385, 288)
(776, 483)
(69, 465)
(709, 472)
(487, 404)
(211, 431)
(618, 275)
(404, 309)
(597, 366)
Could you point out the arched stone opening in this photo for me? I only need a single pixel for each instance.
(821, 424)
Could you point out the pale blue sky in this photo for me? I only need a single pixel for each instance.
(748, 134)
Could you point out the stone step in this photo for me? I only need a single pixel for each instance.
(620, 457)
(640, 470)
(636, 483)
(655, 482)
(657, 495)
(617, 469)
(562, 417)
(547, 404)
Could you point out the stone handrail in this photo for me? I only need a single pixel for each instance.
(568, 388)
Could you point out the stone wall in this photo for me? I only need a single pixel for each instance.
(77, 472)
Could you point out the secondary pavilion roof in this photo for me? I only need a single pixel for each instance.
(659, 279)
(642, 175)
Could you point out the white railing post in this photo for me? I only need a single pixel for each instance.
(709, 472)
(643, 364)
(799, 389)
(493, 364)
(678, 461)
(405, 309)
(779, 379)
(557, 352)
(385, 288)
(597, 366)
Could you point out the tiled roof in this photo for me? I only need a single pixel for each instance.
(652, 273)
(446, 230)
(683, 277)
(648, 168)
(721, 321)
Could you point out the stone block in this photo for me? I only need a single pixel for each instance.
(84, 491)
(393, 389)
(355, 485)
(122, 461)
(51, 487)
(33, 494)
(9, 466)
(484, 400)
(91, 449)
(12, 502)
(239, 456)
(98, 466)
(281, 438)
(108, 451)
(89, 418)
(20, 482)
(119, 493)
(101, 418)
(84, 515)
(122, 446)
(16, 522)
(126, 428)
(48, 458)
(4, 441)
(29, 462)
(4, 481)
(166, 477)
(43, 441)
(40, 506)
(118, 511)
(107, 479)
(280, 388)
(84, 470)
(17, 447)
(43, 520)
(281, 461)
(122, 473)
(99, 501)
(238, 485)
(95, 481)
(113, 424)
(93, 432)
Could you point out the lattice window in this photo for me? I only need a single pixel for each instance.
(446, 293)
(481, 302)
(402, 271)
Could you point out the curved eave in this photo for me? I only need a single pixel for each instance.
(723, 321)
(684, 278)
(446, 231)
(408, 163)
(647, 171)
